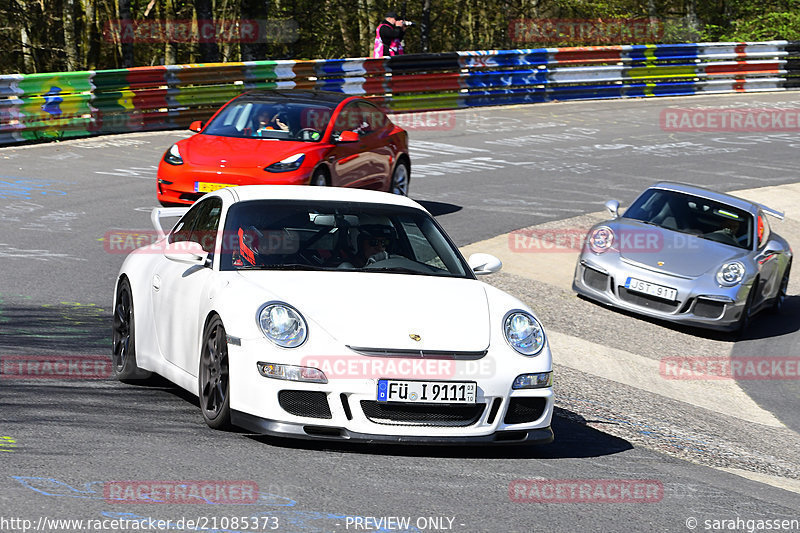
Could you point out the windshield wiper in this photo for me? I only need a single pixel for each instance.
(282, 266)
(402, 270)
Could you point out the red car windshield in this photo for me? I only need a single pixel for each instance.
(272, 119)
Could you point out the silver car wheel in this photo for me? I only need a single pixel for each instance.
(319, 179)
(780, 298)
(400, 179)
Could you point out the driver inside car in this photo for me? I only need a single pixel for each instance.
(267, 121)
(374, 241)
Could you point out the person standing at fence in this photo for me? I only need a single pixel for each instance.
(389, 36)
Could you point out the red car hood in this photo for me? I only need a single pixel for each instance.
(211, 150)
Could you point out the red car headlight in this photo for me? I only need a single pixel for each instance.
(286, 165)
(173, 156)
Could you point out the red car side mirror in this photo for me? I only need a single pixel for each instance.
(348, 137)
(197, 125)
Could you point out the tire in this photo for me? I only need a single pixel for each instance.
(319, 178)
(401, 178)
(123, 336)
(747, 317)
(780, 298)
(213, 377)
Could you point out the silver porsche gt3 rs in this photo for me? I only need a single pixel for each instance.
(688, 255)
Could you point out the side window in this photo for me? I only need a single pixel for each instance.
(183, 229)
(374, 118)
(421, 246)
(348, 120)
(205, 228)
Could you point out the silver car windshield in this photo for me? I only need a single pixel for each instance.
(337, 236)
(690, 214)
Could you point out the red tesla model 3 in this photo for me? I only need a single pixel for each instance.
(287, 138)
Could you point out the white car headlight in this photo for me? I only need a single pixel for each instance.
(523, 332)
(282, 324)
(601, 239)
(533, 381)
(730, 273)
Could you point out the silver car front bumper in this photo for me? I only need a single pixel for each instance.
(698, 303)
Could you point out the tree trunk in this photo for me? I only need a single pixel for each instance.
(70, 44)
(691, 15)
(90, 45)
(208, 48)
(425, 27)
(28, 57)
(350, 46)
(255, 10)
(126, 44)
(170, 47)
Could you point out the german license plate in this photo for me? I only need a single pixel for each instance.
(659, 291)
(390, 390)
(204, 186)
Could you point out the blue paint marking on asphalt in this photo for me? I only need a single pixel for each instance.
(651, 431)
(288, 519)
(13, 188)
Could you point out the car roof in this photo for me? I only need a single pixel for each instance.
(733, 201)
(304, 192)
(326, 97)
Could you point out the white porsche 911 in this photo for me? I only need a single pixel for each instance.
(327, 313)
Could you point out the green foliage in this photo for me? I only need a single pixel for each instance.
(765, 27)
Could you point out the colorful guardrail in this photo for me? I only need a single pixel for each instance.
(74, 104)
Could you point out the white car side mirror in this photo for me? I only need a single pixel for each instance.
(482, 264)
(188, 252)
(613, 208)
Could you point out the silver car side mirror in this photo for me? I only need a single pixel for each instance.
(613, 208)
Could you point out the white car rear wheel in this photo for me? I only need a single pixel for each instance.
(123, 352)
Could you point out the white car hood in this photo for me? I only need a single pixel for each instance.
(383, 310)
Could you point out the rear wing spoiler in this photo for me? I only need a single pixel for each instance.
(163, 212)
(771, 212)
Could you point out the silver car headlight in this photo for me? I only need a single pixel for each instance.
(282, 324)
(731, 273)
(523, 332)
(601, 239)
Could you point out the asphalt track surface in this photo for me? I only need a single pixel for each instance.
(482, 173)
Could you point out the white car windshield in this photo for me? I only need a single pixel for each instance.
(337, 236)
